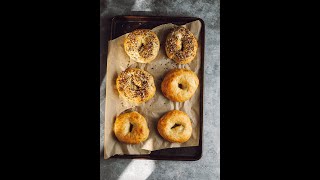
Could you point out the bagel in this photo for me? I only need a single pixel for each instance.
(181, 45)
(131, 128)
(175, 126)
(142, 45)
(135, 85)
(179, 85)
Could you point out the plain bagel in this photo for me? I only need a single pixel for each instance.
(179, 85)
(175, 126)
(131, 128)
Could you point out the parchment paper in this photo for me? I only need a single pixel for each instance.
(155, 108)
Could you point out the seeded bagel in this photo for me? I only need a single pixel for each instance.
(142, 45)
(135, 85)
(181, 45)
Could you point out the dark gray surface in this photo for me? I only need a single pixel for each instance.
(208, 167)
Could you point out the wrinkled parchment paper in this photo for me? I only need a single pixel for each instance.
(155, 108)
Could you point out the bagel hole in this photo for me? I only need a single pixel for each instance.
(140, 48)
(131, 127)
(180, 86)
(175, 125)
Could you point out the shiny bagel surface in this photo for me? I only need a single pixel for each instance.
(179, 85)
(131, 128)
(175, 126)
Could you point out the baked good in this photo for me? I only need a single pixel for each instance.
(135, 85)
(175, 126)
(181, 45)
(131, 128)
(142, 45)
(179, 85)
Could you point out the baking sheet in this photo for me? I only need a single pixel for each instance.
(152, 110)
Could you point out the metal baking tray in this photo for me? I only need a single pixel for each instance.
(123, 24)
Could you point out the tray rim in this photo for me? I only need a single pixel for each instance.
(202, 34)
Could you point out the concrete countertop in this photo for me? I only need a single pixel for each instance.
(208, 167)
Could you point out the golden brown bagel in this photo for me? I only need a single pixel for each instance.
(181, 45)
(179, 85)
(131, 128)
(142, 45)
(136, 85)
(175, 126)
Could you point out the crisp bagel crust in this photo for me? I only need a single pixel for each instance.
(175, 126)
(179, 85)
(131, 121)
(142, 45)
(181, 45)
